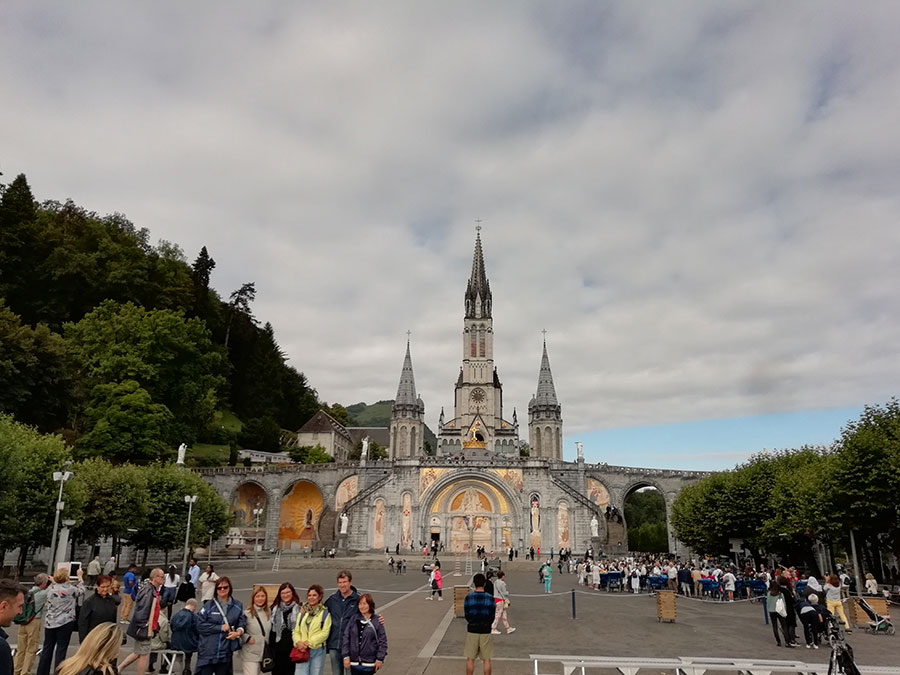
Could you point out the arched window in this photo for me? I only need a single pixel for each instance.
(537, 441)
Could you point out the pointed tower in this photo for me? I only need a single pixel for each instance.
(407, 415)
(545, 415)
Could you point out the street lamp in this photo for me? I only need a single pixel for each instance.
(257, 513)
(209, 550)
(62, 477)
(190, 500)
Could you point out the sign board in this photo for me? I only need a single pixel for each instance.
(737, 545)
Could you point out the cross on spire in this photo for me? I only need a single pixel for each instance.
(478, 226)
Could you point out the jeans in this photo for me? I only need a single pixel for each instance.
(55, 640)
(337, 662)
(315, 665)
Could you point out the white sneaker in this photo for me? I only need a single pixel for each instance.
(428, 597)
(510, 630)
(495, 632)
(809, 646)
(815, 646)
(440, 598)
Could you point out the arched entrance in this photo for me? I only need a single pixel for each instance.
(644, 519)
(301, 508)
(249, 507)
(467, 511)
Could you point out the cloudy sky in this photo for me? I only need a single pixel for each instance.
(698, 201)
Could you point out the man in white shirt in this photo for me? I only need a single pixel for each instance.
(728, 579)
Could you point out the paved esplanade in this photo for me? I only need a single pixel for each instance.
(423, 637)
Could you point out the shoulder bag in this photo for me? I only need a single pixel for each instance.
(267, 665)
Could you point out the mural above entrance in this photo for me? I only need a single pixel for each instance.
(512, 477)
(428, 476)
(596, 492)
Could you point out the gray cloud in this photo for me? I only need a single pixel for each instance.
(697, 202)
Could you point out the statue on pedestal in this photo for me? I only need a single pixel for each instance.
(595, 526)
(345, 522)
(580, 447)
(182, 449)
(365, 448)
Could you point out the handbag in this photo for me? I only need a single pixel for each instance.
(267, 665)
(299, 655)
(780, 606)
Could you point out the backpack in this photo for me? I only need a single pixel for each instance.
(26, 616)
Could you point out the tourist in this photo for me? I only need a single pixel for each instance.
(833, 600)
(775, 607)
(170, 589)
(130, 589)
(208, 584)
(871, 584)
(101, 607)
(436, 582)
(59, 619)
(479, 611)
(285, 613)
(97, 653)
(12, 599)
(94, 568)
(787, 592)
(144, 621)
(364, 642)
(729, 580)
(812, 620)
(185, 632)
(221, 623)
(109, 566)
(259, 625)
(311, 632)
(194, 575)
(29, 636)
(501, 600)
(547, 575)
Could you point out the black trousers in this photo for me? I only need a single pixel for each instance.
(778, 620)
(56, 643)
(811, 628)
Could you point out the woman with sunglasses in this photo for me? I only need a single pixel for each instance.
(285, 612)
(221, 623)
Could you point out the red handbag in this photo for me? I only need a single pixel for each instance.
(299, 655)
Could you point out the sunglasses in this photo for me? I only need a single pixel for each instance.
(223, 588)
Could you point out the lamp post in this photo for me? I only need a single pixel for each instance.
(209, 550)
(190, 500)
(62, 477)
(256, 512)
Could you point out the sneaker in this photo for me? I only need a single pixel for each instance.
(495, 632)
(510, 630)
(791, 645)
(440, 598)
(809, 646)
(777, 644)
(428, 597)
(815, 646)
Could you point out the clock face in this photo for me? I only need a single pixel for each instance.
(477, 396)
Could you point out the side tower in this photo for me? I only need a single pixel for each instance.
(545, 415)
(407, 416)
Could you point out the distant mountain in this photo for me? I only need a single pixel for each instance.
(379, 415)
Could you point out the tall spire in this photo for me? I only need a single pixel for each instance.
(406, 392)
(478, 290)
(546, 392)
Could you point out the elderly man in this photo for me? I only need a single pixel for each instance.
(144, 621)
(12, 597)
(29, 638)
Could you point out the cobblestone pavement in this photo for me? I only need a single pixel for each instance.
(425, 637)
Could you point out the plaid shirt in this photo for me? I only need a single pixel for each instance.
(479, 608)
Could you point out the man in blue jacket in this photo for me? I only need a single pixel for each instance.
(342, 605)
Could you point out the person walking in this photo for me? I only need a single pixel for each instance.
(59, 618)
(97, 654)
(208, 584)
(777, 613)
(833, 599)
(29, 637)
(436, 582)
(144, 621)
(364, 642)
(285, 613)
(221, 623)
(12, 599)
(479, 611)
(129, 592)
(259, 624)
(194, 575)
(547, 574)
(94, 568)
(109, 566)
(501, 601)
(170, 589)
(100, 607)
(790, 603)
(311, 632)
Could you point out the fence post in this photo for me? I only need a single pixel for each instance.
(765, 610)
(573, 603)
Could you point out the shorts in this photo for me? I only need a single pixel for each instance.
(142, 647)
(479, 646)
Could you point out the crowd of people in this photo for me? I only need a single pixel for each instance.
(292, 633)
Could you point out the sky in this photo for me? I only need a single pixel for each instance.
(697, 201)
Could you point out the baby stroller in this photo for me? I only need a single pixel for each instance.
(877, 623)
(841, 661)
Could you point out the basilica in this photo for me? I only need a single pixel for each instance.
(478, 489)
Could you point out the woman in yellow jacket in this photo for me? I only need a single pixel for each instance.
(311, 631)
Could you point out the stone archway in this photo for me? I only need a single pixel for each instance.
(621, 531)
(465, 508)
(248, 528)
(301, 509)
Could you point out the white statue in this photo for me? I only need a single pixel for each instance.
(595, 526)
(181, 450)
(345, 522)
(580, 447)
(365, 448)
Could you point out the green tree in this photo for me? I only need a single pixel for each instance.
(309, 454)
(34, 379)
(376, 451)
(114, 498)
(124, 424)
(171, 357)
(339, 413)
(17, 238)
(261, 434)
(239, 304)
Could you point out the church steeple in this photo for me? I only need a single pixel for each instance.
(545, 415)
(407, 415)
(478, 290)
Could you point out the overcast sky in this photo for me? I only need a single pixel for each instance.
(698, 201)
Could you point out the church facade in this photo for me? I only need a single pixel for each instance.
(475, 491)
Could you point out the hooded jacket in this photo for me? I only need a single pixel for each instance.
(185, 634)
(342, 610)
(364, 643)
